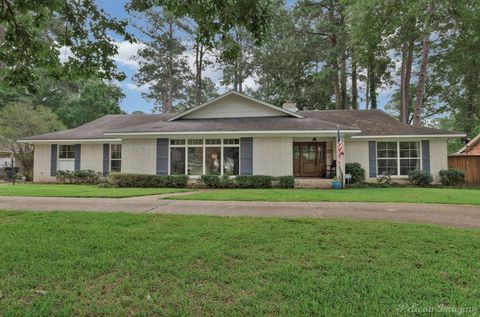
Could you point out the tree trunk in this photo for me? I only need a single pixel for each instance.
(343, 74)
(373, 90)
(408, 77)
(336, 82)
(403, 102)
(169, 105)
(367, 89)
(354, 85)
(423, 66)
(198, 75)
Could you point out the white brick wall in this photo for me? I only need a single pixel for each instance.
(41, 164)
(139, 156)
(273, 156)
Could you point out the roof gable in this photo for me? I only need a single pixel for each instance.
(234, 105)
(472, 147)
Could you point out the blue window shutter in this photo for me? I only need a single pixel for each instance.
(372, 159)
(53, 160)
(106, 158)
(426, 155)
(162, 156)
(246, 156)
(78, 151)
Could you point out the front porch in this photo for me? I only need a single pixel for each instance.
(312, 182)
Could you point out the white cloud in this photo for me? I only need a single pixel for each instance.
(134, 87)
(126, 53)
(64, 53)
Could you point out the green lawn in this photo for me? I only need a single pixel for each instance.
(403, 194)
(64, 190)
(158, 265)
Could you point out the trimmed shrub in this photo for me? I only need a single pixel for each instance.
(78, 177)
(254, 181)
(384, 180)
(452, 177)
(226, 182)
(211, 181)
(144, 181)
(420, 178)
(285, 182)
(357, 172)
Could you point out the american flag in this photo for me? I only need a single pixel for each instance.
(339, 146)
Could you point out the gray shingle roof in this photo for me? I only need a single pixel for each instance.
(370, 122)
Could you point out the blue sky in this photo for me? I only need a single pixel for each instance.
(133, 100)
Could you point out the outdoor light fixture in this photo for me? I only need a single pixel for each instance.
(314, 139)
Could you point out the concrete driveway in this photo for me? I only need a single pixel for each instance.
(449, 215)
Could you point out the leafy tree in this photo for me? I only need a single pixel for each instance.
(163, 64)
(95, 99)
(33, 33)
(236, 70)
(19, 120)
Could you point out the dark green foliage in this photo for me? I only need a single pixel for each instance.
(211, 181)
(357, 172)
(452, 177)
(285, 182)
(254, 181)
(78, 177)
(248, 181)
(147, 181)
(420, 178)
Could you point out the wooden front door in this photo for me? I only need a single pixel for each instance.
(309, 159)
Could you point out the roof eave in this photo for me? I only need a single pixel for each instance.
(182, 114)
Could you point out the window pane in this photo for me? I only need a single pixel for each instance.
(66, 151)
(230, 160)
(381, 145)
(231, 141)
(115, 165)
(213, 141)
(195, 142)
(410, 149)
(116, 150)
(387, 167)
(195, 159)
(212, 160)
(177, 142)
(296, 151)
(309, 152)
(177, 160)
(407, 165)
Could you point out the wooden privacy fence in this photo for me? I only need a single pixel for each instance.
(470, 164)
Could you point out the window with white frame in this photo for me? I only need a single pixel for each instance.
(205, 156)
(115, 157)
(398, 158)
(66, 151)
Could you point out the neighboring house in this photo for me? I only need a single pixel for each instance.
(471, 148)
(238, 135)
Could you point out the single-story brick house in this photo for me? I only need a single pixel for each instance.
(235, 134)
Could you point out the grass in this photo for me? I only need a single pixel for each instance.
(403, 194)
(64, 190)
(157, 265)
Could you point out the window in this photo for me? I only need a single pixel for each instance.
(66, 151)
(115, 157)
(177, 160)
(409, 157)
(205, 156)
(195, 160)
(231, 160)
(397, 158)
(213, 158)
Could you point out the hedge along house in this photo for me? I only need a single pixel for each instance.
(238, 135)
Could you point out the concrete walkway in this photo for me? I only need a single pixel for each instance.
(449, 215)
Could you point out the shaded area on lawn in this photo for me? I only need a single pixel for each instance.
(394, 194)
(122, 264)
(67, 190)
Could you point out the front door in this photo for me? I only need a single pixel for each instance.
(309, 159)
